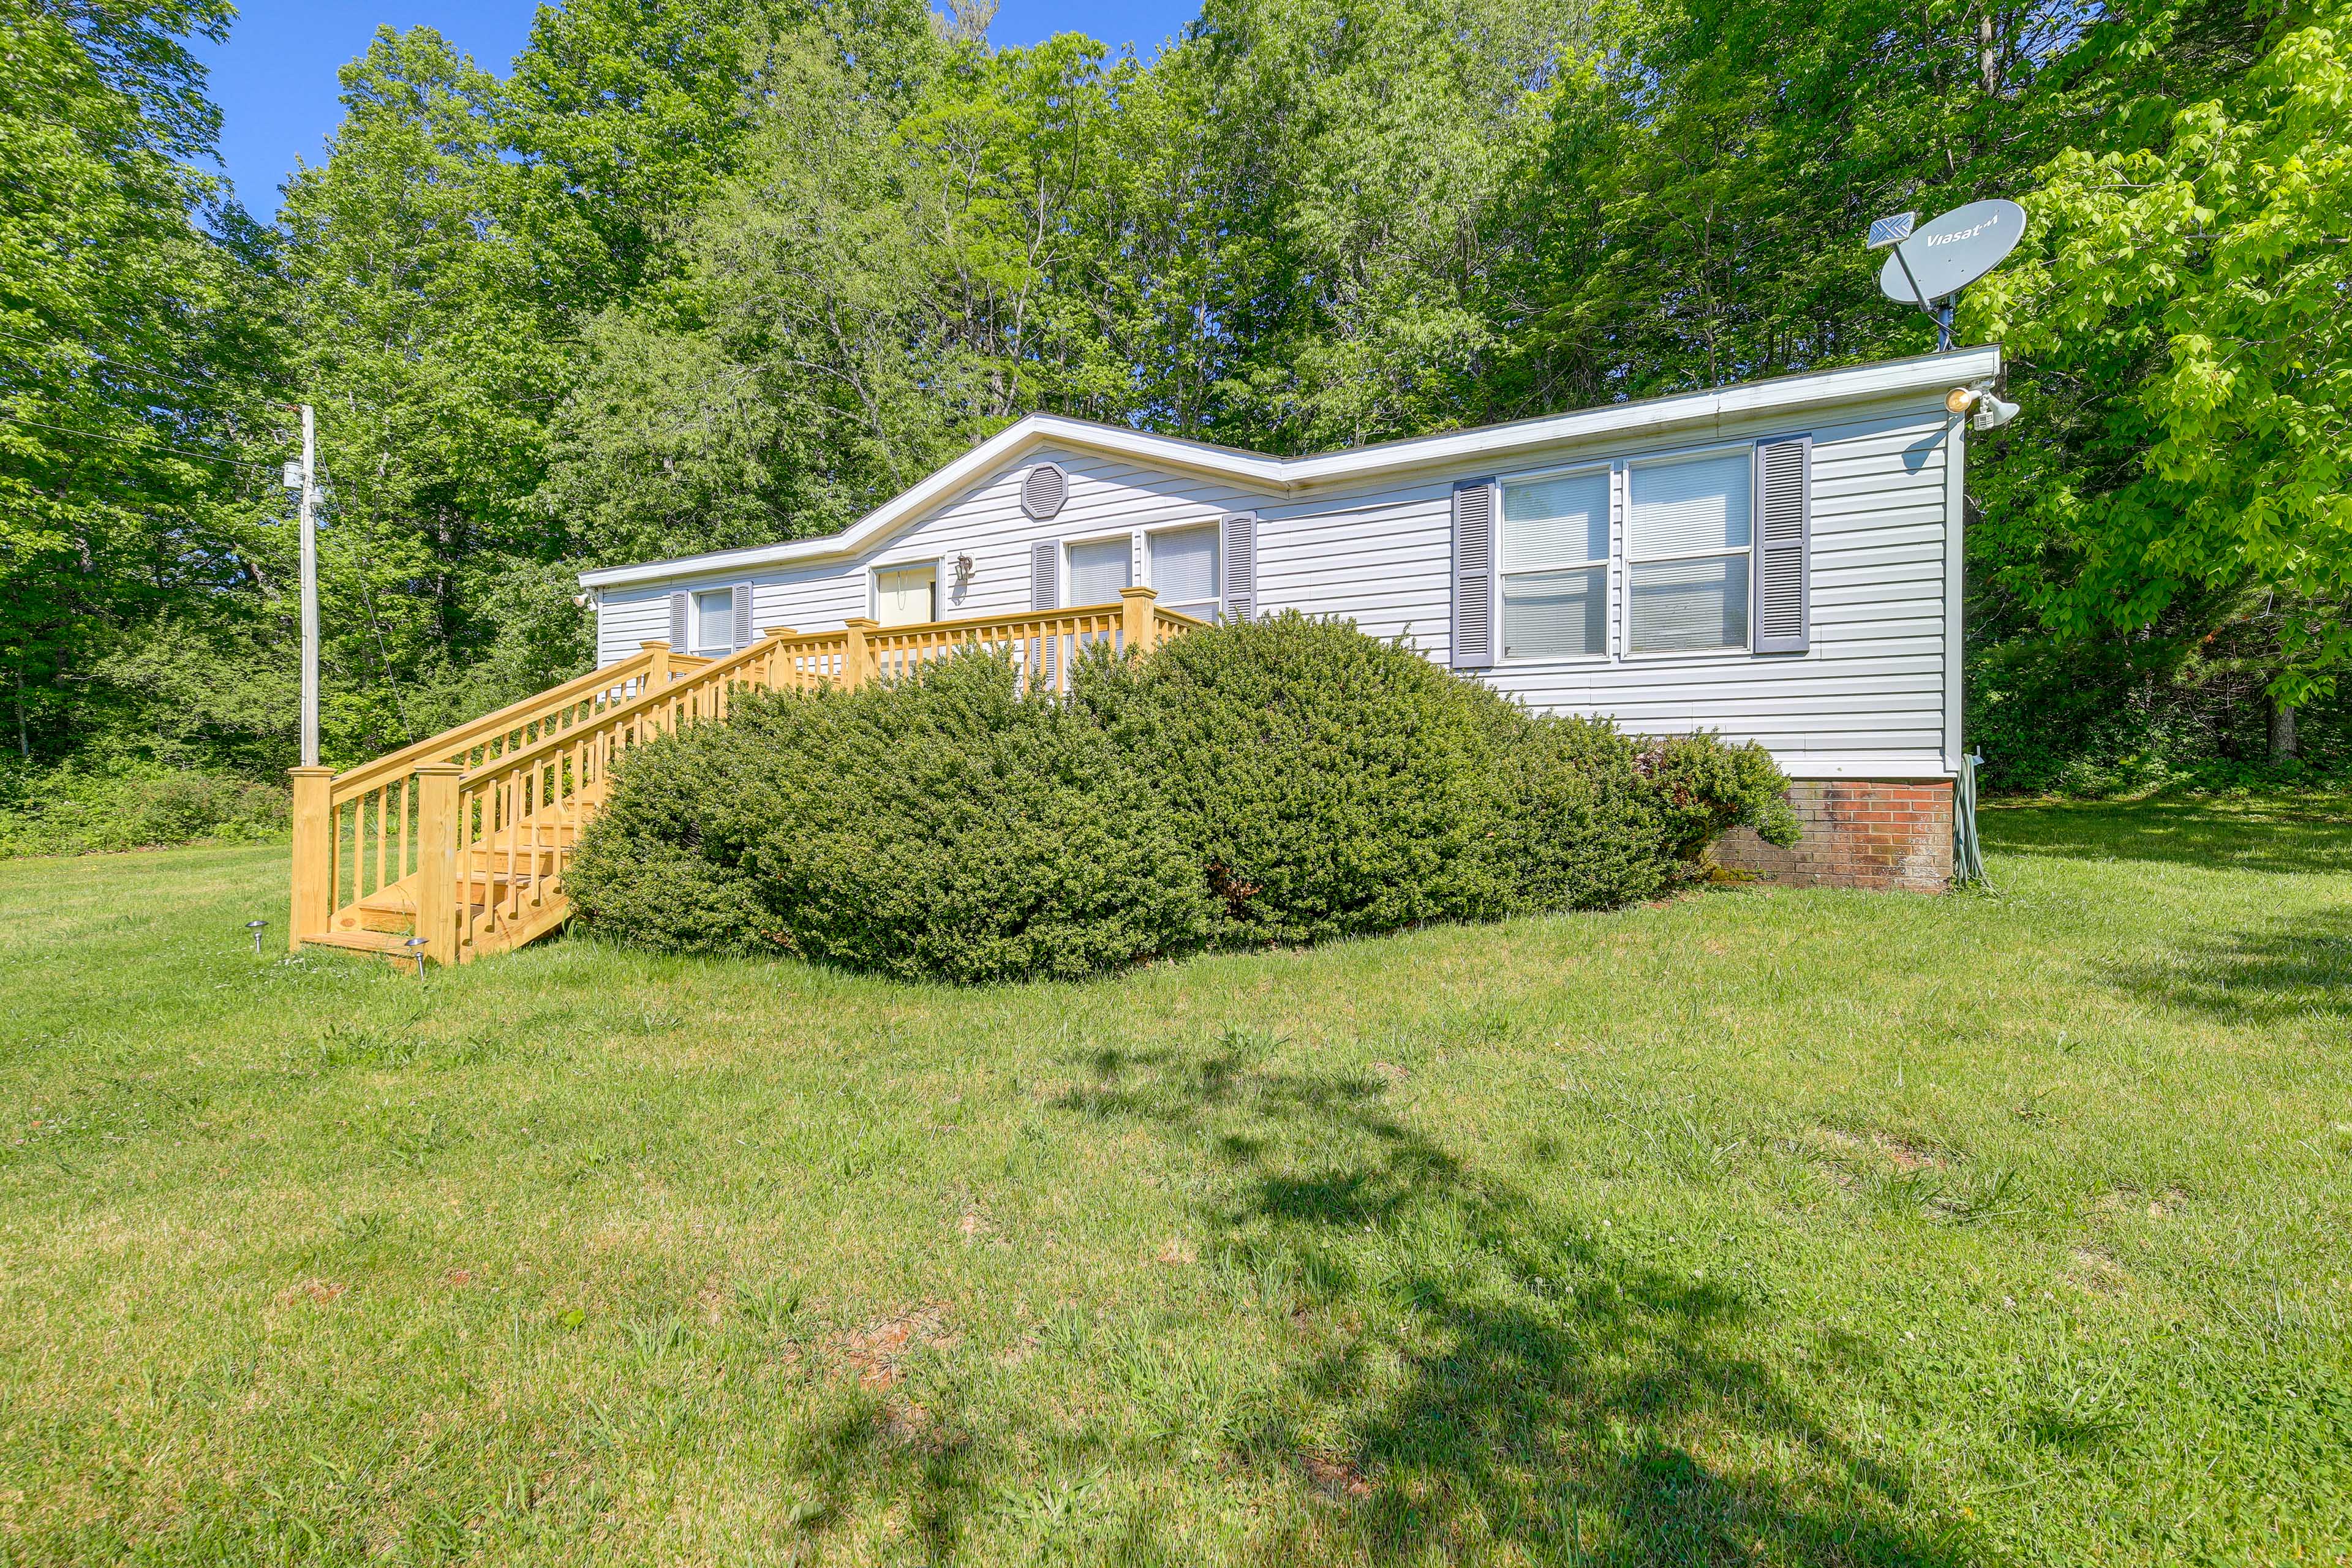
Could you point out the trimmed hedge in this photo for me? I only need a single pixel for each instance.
(1281, 781)
(1331, 783)
(946, 828)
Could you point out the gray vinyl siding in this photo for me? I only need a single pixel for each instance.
(1868, 695)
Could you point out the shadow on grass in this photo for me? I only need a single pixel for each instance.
(2289, 971)
(2269, 833)
(1475, 1377)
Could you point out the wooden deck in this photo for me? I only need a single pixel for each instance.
(456, 848)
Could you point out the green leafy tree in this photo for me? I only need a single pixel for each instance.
(2185, 304)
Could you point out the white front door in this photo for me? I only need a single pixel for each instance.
(906, 595)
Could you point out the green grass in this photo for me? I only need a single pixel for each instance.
(1757, 1227)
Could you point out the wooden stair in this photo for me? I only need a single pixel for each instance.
(463, 840)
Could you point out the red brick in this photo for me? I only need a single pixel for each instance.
(1857, 833)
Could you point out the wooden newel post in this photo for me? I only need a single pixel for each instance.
(1135, 619)
(656, 677)
(314, 856)
(855, 656)
(437, 835)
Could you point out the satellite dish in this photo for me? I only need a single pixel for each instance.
(1939, 258)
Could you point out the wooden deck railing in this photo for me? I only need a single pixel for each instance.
(462, 840)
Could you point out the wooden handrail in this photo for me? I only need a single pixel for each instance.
(463, 737)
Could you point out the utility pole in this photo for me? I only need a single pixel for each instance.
(310, 590)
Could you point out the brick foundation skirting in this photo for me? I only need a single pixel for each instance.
(1858, 833)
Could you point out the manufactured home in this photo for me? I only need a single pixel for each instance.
(1777, 561)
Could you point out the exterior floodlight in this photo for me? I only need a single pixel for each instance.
(257, 928)
(1992, 412)
(1889, 231)
(1960, 399)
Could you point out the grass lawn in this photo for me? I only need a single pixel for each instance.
(1756, 1227)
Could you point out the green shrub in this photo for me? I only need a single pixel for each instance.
(1704, 788)
(945, 827)
(1577, 825)
(1331, 783)
(82, 810)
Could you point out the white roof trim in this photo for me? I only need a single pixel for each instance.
(1788, 393)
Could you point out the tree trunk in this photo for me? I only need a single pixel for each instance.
(2281, 716)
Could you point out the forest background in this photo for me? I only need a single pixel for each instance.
(705, 273)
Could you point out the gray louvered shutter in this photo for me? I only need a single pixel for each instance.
(1783, 540)
(1474, 574)
(679, 608)
(742, 608)
(1045, 576)
(1240, 566)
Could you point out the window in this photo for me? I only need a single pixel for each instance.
(714, 623)
(1556, 566)
(1184, 570)
(907, 595)
(1686, 548)
(1099, 571)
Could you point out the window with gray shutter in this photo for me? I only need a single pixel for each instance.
(1045, 576)
(743, 637)
(678, 613)
(1240, 566)
(1474, 574)
(1784, 521)
(1689, 552)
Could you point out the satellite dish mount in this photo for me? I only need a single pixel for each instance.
(1931, 265)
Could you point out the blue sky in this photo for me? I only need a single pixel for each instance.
(274, 78)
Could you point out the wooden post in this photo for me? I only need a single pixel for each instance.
(314, 856)
(1135, 619)
(778, 632)
(854, 657)
(438, 832)
(659, 676)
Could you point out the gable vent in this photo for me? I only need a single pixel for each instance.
(1044, 490)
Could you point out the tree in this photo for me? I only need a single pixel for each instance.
(2186, 302)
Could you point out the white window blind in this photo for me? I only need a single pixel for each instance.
(904, 596)
(1556, 566)
(1184, 570)
(714, 622)
(1099, 571)
(1687, 538)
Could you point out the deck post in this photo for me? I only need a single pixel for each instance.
(436, 859)
(775, 659)
(314, 856)
(657, 672)
(856, 658)
(1134, 620)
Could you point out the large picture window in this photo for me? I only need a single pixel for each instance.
(1556, 566)
(1687, 538)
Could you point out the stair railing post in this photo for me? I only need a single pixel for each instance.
(1134, 620)
(777, 661)
(314, 856)
(855, 659)
(437, 833)
(657, 672)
